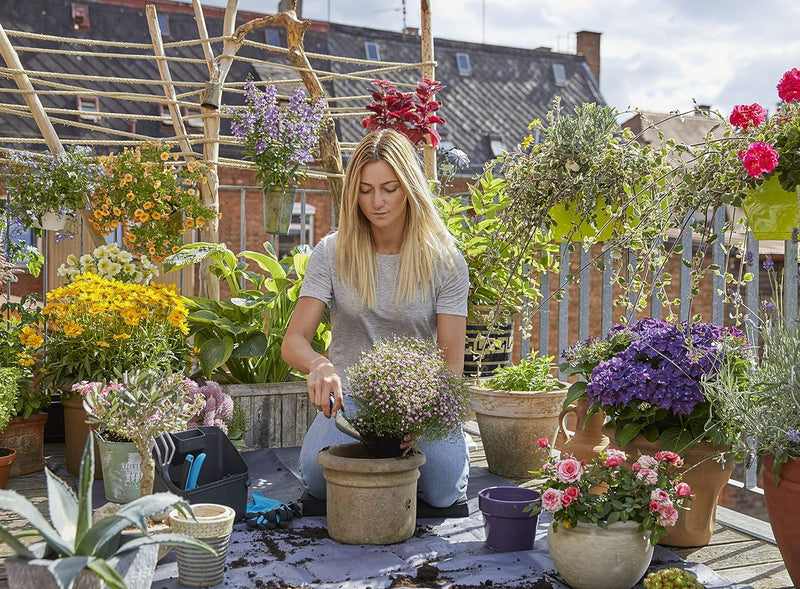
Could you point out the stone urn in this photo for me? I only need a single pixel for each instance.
(370, 500)
(511, 422)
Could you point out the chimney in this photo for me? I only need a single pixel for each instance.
(702, 110)
(588, 45)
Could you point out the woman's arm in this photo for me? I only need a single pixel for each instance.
(296, 351)
(451, 332)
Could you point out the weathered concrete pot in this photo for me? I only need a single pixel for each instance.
(213, 524)
(511, 422)
(370, 500)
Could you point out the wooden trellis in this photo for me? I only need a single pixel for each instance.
(184, 94)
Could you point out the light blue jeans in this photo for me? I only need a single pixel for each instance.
(442, 479)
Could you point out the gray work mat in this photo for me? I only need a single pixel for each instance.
(444, 552)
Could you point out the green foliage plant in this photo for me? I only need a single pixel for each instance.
(73, 541)
(239, 340)
(531, 374)
(9, 390)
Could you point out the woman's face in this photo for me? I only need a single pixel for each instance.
(381, 197)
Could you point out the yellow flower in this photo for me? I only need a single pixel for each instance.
(148, 205)
(122, 336)
(130, 196)
(103, 344)
(164, 156)
(72, 329)
(25, 359)
(128, 178)
(30, 337)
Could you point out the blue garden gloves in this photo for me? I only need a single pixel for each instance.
(267, 514)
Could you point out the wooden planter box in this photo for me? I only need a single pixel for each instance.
(278, 414)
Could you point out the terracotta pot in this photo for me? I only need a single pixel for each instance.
(511, 422)
(7, 457)
(587, 440)
(782, 500)
(590, 557)
(76, 430)
(370, 500)
(707, 477)
(26, 436)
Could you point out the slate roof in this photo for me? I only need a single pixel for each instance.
(507, 88)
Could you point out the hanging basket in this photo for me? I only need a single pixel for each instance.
(278, 205)
(52, 221)
(771, 211)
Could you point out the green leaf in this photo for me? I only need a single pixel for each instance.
(189, 254)
(106, 572)
(575, 392)
(64, 509)
(214, 353)
(627, 433)
(253, 346)
(266, 263)
(677, 440)
(16, 503)
(66, 569)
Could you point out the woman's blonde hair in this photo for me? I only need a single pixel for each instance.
(426, 242)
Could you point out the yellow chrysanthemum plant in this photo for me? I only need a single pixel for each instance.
(100, 329)
(153, 196)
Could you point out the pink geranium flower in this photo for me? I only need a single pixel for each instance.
(745, 116)
(789, 86)
(759, 159)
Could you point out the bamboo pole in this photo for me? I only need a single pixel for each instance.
(428, 71)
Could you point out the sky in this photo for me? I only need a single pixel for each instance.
(655, 55)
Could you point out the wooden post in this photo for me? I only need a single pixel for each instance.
(428, 71)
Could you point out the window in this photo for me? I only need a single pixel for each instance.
(163, 24)
(559, 75)
(464, 66)
(191, 117)
(372, 51)
(497, 145)
(88, 105)
(17, 233)
(272, 36)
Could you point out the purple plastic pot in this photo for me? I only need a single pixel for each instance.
(507, 526)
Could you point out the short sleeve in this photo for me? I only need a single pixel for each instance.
(318, 281)
(453, 289)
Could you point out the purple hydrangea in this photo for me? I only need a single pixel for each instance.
(663, 365)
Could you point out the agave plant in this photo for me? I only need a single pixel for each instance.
(73, 542)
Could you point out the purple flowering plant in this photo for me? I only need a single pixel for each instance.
(216, 406)
(277, 137)
(403, 386)
(647, 378)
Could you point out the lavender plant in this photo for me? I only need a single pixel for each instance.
(278, 139)
(648, 379)
(403, 386)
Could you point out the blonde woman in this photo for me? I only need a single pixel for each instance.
(391, 269)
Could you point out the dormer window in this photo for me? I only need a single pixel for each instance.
(559, 75)
(272, 36)
(372, 51)
(191, 117)
(89, 109)
(163, 24)
(464, 65)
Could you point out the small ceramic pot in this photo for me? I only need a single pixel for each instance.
(214, 524)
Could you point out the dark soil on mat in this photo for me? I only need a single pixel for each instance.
(428, 576)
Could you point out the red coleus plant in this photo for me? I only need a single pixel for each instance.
(411, 113)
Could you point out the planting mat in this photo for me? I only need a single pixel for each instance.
(444, 552)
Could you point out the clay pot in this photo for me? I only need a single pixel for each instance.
(782, 499)
(76, 430)
(7, 457)
(370, 500)
(587, 439)
(511, 422)
(26, 436)
(706, 476)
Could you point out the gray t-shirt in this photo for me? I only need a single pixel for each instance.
(354, 328)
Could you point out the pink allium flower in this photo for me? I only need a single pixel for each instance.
(659, 495)
(789, 86)
(551, 500)
(745, 116)
(569, 470)
(667, 515)
(543, 442)
(683, 490)
(670, 457)
(648, 475)
(647, 461)
(760, 158)
(615, 458)
(572, 492)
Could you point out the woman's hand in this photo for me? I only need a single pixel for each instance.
(408, 444)
(323, 381)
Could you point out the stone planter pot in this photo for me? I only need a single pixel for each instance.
(122, 469)
(26, 436)
(136, 568)
(510, 423)
(706, 476)
(7, 458)
(370, 500)
(587, 439)
(590, 557)
(782, 499)
(213, 525)
(278, 413)
(76, 430)
(508, 527)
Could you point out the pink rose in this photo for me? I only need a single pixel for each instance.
(667, 515)
(543, 442)
(635, 467)
(566, 500)
(551, 500)
(746, 115)
(659, 495)
(670, 457)
(648, 475)
(683, 490)
(789, 86)
(615, 458)
(546, 466)
(759, 159)
(572, 492)
(569, 470)
(654, 506)
(646, 461)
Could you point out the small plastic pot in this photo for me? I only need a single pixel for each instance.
(507, 525)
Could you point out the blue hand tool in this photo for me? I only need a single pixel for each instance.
(187, 466)
(194, 471)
